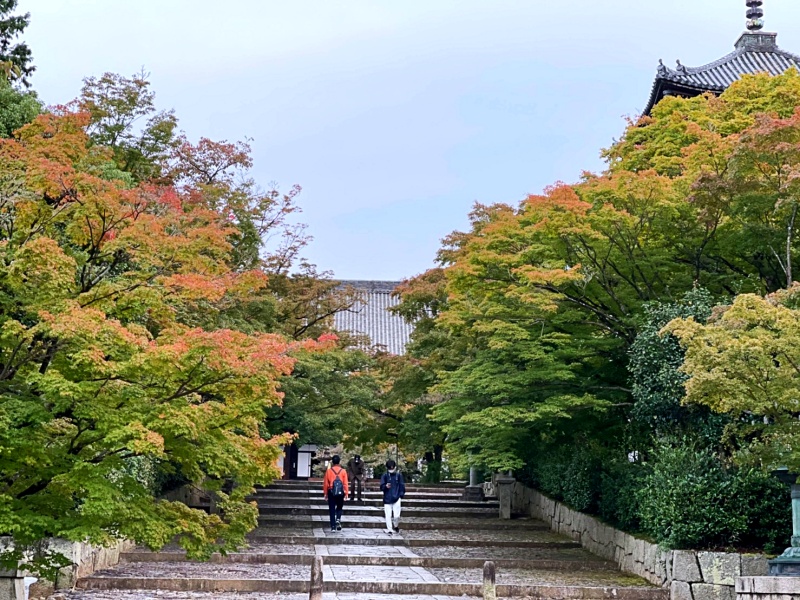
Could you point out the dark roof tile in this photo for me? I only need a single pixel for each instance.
(371, 316)
(754, 53)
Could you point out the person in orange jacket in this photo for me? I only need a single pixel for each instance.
(334, 489)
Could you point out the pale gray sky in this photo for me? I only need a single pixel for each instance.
(393, 116)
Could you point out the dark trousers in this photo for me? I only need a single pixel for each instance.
(335, 506)
(355, 488)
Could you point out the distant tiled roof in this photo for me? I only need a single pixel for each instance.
(754, 53)
(371, 316)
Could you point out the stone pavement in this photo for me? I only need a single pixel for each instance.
(438, 555)
(165, 595)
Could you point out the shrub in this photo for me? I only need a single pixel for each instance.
(581, 480)
(684, 496)
(767, 503)
(547, 474)
(571, 475)
(688, 499)
(619, 501)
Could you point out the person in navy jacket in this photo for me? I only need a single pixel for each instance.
(394, 488)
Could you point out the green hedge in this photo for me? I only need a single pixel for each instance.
(682, 496)
(573, 477)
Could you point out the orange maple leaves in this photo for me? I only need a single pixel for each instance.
(112, 278)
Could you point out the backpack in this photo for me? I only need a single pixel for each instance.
(337, 487)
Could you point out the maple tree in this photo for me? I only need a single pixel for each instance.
(117, 106)
(323, 395)
(745, 363)
(295, 300)
(327, 397)
(401, 415)
(758, 192)
(544, 300)
(678, 128)
(104, 360)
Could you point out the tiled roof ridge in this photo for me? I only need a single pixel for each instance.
(374, 286)
(679, 77)
(754, 53)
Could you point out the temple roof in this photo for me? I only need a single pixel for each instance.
(370, 316)
(755, 52)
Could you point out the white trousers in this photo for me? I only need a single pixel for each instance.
(392, 512)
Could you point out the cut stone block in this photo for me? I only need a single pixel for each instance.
(707, 591)
(12, 588)
(685, 567)
(768, 586)
(754, 565)
(720, 568)
(680, 590)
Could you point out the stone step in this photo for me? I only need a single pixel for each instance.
(375, 480)
(376, 501)
(409, 523)
(572, 565)
(348, 538)
(175, 595)
(316, 492)
(372, 488)
(372, 485)
(371, 511)
(374, 586)
(376, 496)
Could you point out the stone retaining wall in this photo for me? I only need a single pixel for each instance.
(768, 588)
(690, 575)
(85, 558)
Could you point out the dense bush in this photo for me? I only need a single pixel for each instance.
(767, 502)
(688, 499)
(571, 476)
(547, 473)
(682, 496)
(618, 499)
(582, 480)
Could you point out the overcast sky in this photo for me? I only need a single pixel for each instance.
(394, 116)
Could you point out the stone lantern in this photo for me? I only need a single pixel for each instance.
(788, 563)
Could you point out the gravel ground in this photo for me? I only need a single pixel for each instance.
(519, 576)
(193, 570)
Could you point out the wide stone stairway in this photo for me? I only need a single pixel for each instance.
(439, 554)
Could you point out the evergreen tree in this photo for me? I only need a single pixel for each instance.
(17, 56)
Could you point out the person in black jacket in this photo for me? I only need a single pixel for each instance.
(394, 488)
(356, 474)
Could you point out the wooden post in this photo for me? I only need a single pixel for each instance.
(489, 585)
(317, 584)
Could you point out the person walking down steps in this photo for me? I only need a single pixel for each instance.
(356, 474)
(334, 489)
(394, 489)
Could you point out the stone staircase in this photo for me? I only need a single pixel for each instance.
(439, 554)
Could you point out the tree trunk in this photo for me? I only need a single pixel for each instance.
(789, 239)
(433, 474)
